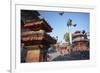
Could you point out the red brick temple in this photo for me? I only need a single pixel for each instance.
(80, 42)
(34, 37)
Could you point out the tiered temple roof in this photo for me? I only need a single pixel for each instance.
(33, 40)
(37, 34)
(37, 24)
(29, 15)
(79, 37)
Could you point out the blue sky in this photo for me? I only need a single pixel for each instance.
(59, 22)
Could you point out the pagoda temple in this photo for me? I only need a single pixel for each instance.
(35, 36)
(80, 41)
